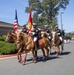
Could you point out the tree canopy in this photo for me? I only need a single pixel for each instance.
(46, 11)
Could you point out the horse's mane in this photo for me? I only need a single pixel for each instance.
(14, 35)
(24, 36)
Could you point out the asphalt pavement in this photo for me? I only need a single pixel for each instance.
(63, 65)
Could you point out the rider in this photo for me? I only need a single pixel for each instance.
(48, 31)
(25, 30)
(59, 33)
(35, 33)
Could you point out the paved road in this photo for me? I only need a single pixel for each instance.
(63, 65)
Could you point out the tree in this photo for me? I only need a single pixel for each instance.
(47, 10)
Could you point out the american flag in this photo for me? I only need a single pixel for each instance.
(16, 22)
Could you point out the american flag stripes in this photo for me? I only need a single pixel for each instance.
(16, 22)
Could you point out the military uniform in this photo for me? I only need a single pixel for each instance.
(58, 31)
(48, 32)
(35, 33)
(25, 30)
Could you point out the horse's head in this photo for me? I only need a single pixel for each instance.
(9, 38)
(44, 34)
(53, 37)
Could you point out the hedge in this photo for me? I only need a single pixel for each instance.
(2, 38)
(7, 48)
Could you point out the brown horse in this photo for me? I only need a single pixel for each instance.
(12, 36)
(28, 42)
(56, 42)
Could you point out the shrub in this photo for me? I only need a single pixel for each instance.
(7, 48)
(2, 38)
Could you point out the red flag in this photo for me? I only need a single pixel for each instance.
(30, 19)
(30, 22)
(15, 22)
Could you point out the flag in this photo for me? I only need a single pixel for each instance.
(15, 22)
(30, 19)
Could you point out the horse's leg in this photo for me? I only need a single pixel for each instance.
(47, 52)
(56, 50)
(19, 55)
(34, 56)
(62, 48)
(43, 54)
(19, 52)
(35, 53)
(25, 55)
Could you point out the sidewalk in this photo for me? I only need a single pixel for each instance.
(7, 56)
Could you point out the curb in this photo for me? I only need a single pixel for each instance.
(7, 56)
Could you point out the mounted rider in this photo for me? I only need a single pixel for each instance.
(25, 30)
(59, 33)
(48, 32)
(35, 33)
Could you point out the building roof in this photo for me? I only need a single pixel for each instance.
(7, 25)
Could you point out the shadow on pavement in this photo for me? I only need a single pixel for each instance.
(40, 58)
(51, 57)
(65, 53)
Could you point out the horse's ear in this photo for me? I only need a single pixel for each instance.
(20, 33)
(10, 32)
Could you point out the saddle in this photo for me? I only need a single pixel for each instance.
(40, 42)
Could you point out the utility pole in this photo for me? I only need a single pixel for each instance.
(61, 20)
(62, 24)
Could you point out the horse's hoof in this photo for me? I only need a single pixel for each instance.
(57, 55)
(19, 61)
(44, 59)
(37, 57)
(34, 61)
(47, 57)
(23, 63)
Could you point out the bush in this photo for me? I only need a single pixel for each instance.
(7, 48)
(2, 38)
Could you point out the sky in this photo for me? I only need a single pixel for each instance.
(7, 13)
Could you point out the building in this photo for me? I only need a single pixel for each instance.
(6, 27)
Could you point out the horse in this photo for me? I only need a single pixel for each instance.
(12, 36)
(27, 41)
(56, 42)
